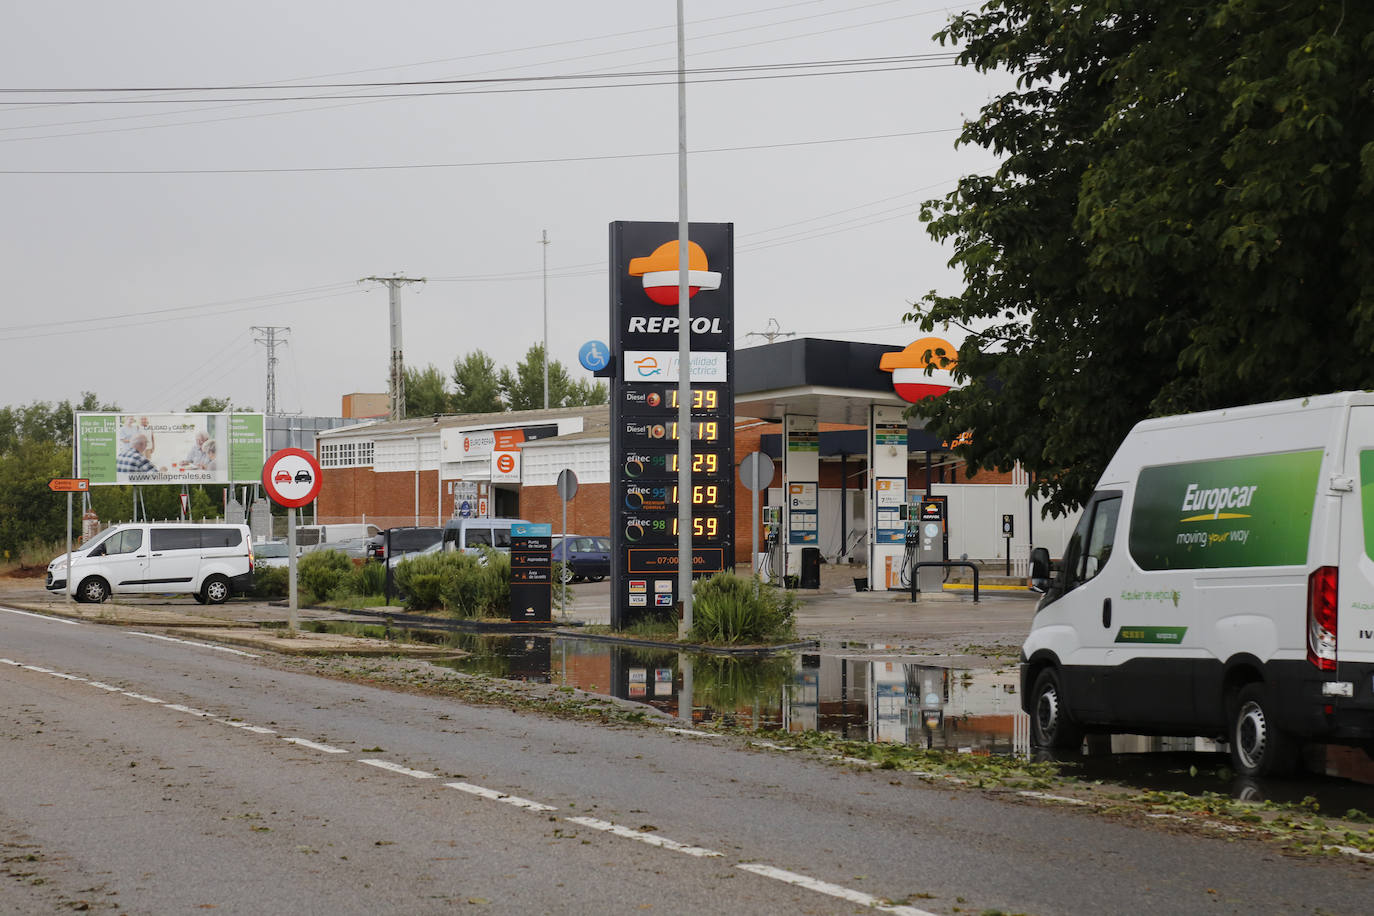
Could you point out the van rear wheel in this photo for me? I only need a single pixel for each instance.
(1258, 746)
(215, 590)
(1051, 725)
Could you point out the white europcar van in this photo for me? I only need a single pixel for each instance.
(1219, 584)
(210, 562)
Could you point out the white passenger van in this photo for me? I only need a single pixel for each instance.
(1219, 584)
(469, 535)
(209, 562)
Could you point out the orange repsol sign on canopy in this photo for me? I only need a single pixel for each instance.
(925, 369)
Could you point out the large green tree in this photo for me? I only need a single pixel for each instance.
(523, 389)
(1182, 220)
(476, 384)
(44, 421)
(426, 392)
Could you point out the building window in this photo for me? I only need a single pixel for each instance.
(345, 454)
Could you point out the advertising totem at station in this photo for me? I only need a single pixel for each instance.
(644, 411)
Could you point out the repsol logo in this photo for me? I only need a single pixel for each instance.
(663, 324)
(1216, 500)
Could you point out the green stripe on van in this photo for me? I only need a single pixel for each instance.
(1169, 635)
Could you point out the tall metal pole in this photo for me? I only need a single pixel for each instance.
(269, 339)
(684, 348)
(397, 384)
(292, 595)
(544, 243)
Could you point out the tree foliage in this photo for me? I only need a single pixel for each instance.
(426, 392)
(1182, 220)
(208, 405)
(44, 421)
(523, 389)
(476, 384)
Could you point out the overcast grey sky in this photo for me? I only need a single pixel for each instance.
(146, 230)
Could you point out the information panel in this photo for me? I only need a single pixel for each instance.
(531, 572)
(645, 432)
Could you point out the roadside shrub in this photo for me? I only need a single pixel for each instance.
(419, 580)
(727, 608)
(367, 579)
(462, 588)
(495, 583)
(40, 552)
(270, 581)
(320, 572)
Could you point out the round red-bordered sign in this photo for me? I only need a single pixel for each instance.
(292, 477)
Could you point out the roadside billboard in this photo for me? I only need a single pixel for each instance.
(155, 448)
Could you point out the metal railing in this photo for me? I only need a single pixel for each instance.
(943, 564)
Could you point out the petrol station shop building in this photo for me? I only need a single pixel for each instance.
(846, 456)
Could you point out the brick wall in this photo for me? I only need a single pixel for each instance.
(589, 512)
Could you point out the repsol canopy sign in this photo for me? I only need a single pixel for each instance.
(1231, 512)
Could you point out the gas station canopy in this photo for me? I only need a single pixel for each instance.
(835, 381)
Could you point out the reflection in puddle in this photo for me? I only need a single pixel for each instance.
(886, 699)
(895, 699)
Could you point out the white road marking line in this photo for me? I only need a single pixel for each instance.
(187, 709)
(1045, 796)
(650, 838)
(397, 768)
(834, 890)
(104, 686)
(494, 795)
(67, 677)
(9, 661)
(10, 610)
(315, 747)
(139, 696)
(690, 732)
(36, 668)
(198, 645)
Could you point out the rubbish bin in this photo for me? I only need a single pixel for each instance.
(811, 567)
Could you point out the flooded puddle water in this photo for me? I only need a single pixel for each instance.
(875, 693)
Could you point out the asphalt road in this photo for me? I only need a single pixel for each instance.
(142, 775)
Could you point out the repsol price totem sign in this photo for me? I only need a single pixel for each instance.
(644, 411)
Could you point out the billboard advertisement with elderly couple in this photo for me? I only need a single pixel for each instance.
(135, 448)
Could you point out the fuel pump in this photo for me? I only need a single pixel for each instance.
(772, 543)
(911, 514)
(930, 543)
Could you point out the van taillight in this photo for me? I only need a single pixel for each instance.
(1321, 618)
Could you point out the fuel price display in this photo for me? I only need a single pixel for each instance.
(645, 422)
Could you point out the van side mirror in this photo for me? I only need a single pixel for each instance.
(1040, 569)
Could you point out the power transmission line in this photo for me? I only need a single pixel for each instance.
(467, 165)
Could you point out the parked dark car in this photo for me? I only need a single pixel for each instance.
(583, 557)
(404, 540)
